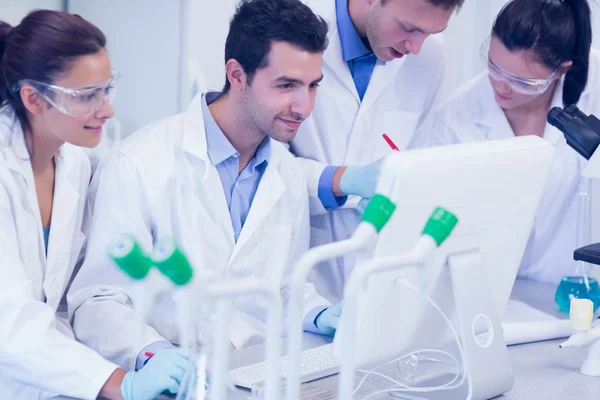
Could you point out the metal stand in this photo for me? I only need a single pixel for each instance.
(360, 241)
(224, 293)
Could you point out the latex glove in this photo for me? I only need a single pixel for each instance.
(163, 372)
(361, 180)
(327, 321)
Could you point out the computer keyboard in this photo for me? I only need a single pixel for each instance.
(315, 363)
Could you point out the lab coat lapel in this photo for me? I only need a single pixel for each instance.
(18, 161)
(194, 143)
(335, 67)
(62, 232)
(270, 190)
(383, 74)
(491, 116)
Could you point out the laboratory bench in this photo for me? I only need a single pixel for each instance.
(541, 370)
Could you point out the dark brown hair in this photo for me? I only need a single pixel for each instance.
(42, 47)
(256, 24)
(555, 31)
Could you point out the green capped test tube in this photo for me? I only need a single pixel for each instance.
(172, 262)
(379, 211)
(129, 257)
(440, 225)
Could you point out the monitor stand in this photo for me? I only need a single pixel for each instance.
(489, 371)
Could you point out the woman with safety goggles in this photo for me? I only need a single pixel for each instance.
(56, 85)
(539, 56)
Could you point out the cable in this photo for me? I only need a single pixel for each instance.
(446, 385)
(373, 371)
(403, 388)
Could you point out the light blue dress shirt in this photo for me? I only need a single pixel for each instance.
(239, 188)
(361, 59)
(361, 62)
(46, 237)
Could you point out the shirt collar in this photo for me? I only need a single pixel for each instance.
(352, 45)
(218, 146)
(262, 154)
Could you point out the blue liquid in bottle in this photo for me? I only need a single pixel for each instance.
(574, 286)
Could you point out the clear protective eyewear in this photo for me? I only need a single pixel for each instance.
(82, 102)
(528, 86)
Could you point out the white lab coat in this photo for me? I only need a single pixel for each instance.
(400, 101)
(38, 354)
(161, 183)
(471, 114)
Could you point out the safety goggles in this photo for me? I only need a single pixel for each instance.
(82, 102)
(528, 86)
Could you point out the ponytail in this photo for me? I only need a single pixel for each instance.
(556, 31)
(577, 77)
(4, 31)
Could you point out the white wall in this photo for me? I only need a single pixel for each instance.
(144, 43)
(13, 11)
(208, 28)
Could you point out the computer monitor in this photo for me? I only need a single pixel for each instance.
(494, 188)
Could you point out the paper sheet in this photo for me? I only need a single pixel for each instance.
(525, 324)
(517, 311)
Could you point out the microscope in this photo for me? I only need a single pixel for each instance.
(582, 133)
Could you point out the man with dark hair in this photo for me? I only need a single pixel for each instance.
(216, 179)
(381, 76)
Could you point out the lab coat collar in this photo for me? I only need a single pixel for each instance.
(194, 133)
(334, 57)
(218, 147)
(489, 113)
(18, 158)
(13, 140)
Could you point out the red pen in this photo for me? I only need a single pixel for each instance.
(149, 354)
(390, 142)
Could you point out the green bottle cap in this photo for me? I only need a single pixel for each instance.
(172, 262)
(378, 211)
(440, 225)
(129, 257)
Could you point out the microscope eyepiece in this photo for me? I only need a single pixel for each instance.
(580, 135)
(559, 118)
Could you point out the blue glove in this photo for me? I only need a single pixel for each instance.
(361, 180)
(327, 321)
(164, 371)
